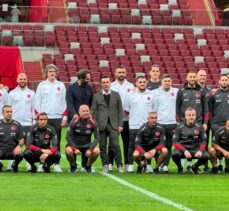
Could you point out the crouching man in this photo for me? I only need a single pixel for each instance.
(220, 147)
(190, 140)
(79, 142)
(12, 138)
(41, 144)
(150, 142)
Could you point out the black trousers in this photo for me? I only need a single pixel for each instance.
(112, 134)
(169, 130)
(133, 134)
(177, 155)
(32, 157)
(8, 155)
(56, 123)
(125, 140)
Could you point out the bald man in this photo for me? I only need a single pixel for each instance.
(22, 100)
(79, 142)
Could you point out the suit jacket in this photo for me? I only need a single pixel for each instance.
(101, 112)
(74, 99)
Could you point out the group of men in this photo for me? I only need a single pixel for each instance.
(151, 116)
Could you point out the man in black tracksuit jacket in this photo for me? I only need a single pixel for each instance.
(149, 143)
(191, 95)
(219, 104)
(189, 141)
(42, 144)
(79, 142)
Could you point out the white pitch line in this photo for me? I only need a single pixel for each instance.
(148, 193)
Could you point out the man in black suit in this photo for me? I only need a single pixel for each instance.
(108, 112)
(79, 93)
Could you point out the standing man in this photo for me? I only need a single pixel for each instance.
(79, 93)
(12, 138)
(50, 98)
(22, 101)
(201, 80)
(123, 87)
(191, 95)
(150, 142)
(108, 112)
(137, 104)
(79, 142)
(42, 144)
(219, 109)
(165, 106)
(189, 141)
(154, 81)
(3, 98)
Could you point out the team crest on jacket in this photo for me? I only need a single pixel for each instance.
(0, 94)
(196, 132)
(13, 128)
(172, 94)
(47, 136)
(148, 98)
(198, 95)
(88, 126)
(58, 88)
(158, 133)
(29, 96)
(128, 90)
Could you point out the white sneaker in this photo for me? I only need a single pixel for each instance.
(92, 170)
(28, 167)
(83, 170)
(110, 167)
(9, 165)
(130, 168)
(165, 169)
(57, 168)
(149, 169)
(40, 168)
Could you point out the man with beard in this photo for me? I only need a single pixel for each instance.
(79, 93)
(189, 140)
(137, 104)
(22, 100)
(150, 142)
(220, 147)
(154, 81)
(123, 87)
(191, 95)
(219, 109)
(50, 98)
(165, 106)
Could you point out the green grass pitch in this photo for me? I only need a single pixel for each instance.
(81, 191)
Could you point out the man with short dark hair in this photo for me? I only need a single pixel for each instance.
(154, 81)
(12, 138)
(189, 140)
(79, 93)
(108, 112)
(42, 144)
(220, 147)
(150, 142)
(79, 142)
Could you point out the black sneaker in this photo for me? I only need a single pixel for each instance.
(188, 170)
(14, 167)
(140, 169)
(33, 169)
(180, 170)
(88, 169)
(194, 170)
(73, 169)
(1, 166)
(220, 167)
(206, 169)
(226, 170)
(215, 170)
(156, 171)
(46, 168)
